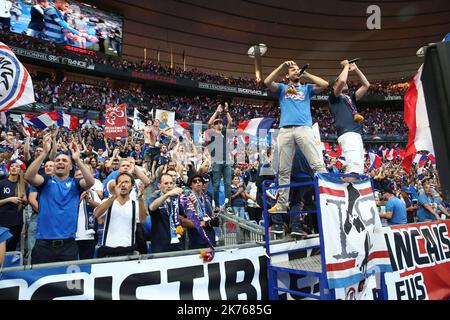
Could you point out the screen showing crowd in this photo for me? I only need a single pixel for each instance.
(67, 22)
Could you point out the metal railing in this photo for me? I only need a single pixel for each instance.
(236, 230)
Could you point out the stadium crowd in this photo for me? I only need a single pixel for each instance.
(76, 194)
(49, 47)
(178, 178)
(199, 108)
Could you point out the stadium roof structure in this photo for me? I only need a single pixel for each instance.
(215, 35)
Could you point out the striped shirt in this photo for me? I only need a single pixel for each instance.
(55, 24)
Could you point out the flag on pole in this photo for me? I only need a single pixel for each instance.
(67, 120)
(3, 119)
(16, 87)
(416, 119)
(375, 160)
(256, 126)
(178, 129)
(138, 124)
(45, 120)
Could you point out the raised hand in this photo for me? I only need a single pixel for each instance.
(47, 142)
(219, 108)
(141, 188)
(193, 199)
(132, 165)
(289, 64)
(352, 67)
(344, 63)
(84, 195)
(117, 188)
(226, 107)
(25, 132)
(75, 151)
(175, 192)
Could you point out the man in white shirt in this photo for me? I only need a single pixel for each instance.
(119, 213)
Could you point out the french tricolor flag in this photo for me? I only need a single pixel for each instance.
(423, 161)
(375, 160)
(45, 120)
(257, 126)
(68, 121)
(416, 119)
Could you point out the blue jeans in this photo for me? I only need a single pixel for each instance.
(219, 169)
(239, 211)
(297, 195)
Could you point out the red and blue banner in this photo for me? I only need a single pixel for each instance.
(352, 232)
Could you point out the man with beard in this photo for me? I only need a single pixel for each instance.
(122, 214)
(347, 119)
(58, 204)
(295, 124)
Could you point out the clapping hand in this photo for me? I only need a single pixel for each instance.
(141, 188)
(75, 151)
(47, 142)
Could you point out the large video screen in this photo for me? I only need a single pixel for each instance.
(70, 23)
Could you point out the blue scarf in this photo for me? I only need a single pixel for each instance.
(173, 209)
(193, 215)
(350, 104)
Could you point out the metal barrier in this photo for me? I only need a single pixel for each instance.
(236, 230)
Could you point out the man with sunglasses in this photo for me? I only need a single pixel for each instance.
(204, 213)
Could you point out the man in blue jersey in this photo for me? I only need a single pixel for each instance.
(59, 196)
(295, 124)
(55, 25)
(395, 208)
(429, 205)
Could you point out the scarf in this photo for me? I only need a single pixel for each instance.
(350, 104)
(195, 216)
(173, 209)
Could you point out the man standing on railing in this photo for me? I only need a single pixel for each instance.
(295, 124)
(347, 119)
(217, 145)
